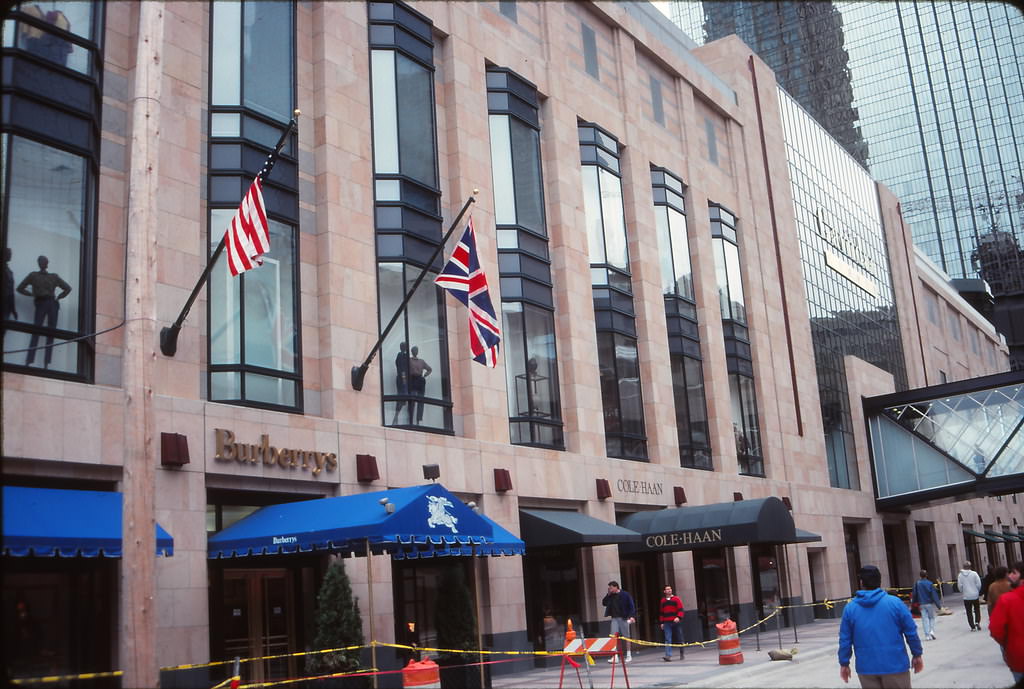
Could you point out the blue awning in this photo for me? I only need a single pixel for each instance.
(48, 522)
(427, 521)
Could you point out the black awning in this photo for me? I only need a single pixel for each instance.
(765, 520)
(541, 528)
(806, 537)
(983, 536)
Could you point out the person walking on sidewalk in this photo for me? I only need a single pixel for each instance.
(1000, 585)
(1006, 624)
(927, 598)
(877, 627)
(619, 606)
(969, 584)
(671, 617)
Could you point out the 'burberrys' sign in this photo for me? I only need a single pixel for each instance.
(227, 450)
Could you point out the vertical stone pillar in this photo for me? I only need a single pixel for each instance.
(137, 638)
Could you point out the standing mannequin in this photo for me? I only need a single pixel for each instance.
(418, 372)
(402, 379)
(44, 287)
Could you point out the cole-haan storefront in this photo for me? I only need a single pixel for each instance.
(712, 532)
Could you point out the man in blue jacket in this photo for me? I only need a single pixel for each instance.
(927, 598)
(878, 627)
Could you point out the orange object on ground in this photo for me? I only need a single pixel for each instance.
(570, 633)
(423, 674)
(728, 644)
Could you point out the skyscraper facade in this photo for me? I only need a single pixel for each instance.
(937, 114)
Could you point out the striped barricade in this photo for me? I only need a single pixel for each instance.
(601, 647)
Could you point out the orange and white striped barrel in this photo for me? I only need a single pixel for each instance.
(421, 675)
(728, 644)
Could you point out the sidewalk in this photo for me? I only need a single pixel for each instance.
(958, 658)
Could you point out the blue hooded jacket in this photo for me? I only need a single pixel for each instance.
(876, 624)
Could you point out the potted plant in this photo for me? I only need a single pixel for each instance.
(456, 630)
(338, 624)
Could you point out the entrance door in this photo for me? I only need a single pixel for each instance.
(714, 586)
(638, 579)
(258, 621)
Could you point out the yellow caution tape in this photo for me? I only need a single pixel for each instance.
(63, 678)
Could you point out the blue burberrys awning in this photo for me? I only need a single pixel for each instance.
(48, 522)
(427, 521)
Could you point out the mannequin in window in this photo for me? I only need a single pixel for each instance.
(44, 43)
(8, 296)
(47, 305)
(418, 372)
(401, 379)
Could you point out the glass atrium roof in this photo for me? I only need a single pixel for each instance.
(957, 439)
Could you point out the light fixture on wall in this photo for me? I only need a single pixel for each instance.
(173, 450)
(787, 503)
(431, 471)
(604, 490)
(737, 496)
(366, 468)
(502, 480)
(679, 494)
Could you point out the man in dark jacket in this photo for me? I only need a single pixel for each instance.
(878, 628)
(619, 606)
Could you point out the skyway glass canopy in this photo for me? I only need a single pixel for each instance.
(959, 439)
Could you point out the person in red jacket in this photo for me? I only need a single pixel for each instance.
(671, 614)
(1006, 624)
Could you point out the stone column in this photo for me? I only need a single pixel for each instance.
(137, 638)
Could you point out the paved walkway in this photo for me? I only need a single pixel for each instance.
(957, 658)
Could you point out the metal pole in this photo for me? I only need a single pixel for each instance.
(369, 586)
(479, 619)
(789, 587)
(778, 624)
(359, 372)
(169, 336)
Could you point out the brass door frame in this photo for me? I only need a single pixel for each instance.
(256, 591)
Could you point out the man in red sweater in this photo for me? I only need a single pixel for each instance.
(671, 614)
(1006, 623)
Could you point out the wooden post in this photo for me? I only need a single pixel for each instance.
(138, 615)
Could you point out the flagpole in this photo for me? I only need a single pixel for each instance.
(359, 372)
(169, 336)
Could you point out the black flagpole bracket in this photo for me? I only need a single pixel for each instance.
(169, 335)
(359, 372)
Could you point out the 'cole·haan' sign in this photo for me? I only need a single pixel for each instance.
(227, 450)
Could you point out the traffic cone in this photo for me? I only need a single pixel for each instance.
(570, 633)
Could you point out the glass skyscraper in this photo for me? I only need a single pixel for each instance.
(935, 111)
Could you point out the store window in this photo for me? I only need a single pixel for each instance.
(531, 364)
(739, 361)
(254, 335)
(49, 150)
(614, 314)
(407, 204)
(681, 318)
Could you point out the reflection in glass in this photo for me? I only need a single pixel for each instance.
(531, 366)
(252, 318)
(46, 219)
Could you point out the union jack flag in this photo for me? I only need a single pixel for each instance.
(464, 279)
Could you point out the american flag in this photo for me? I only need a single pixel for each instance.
(465, 280)
(248, 236)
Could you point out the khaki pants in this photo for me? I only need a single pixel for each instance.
(900, 680)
